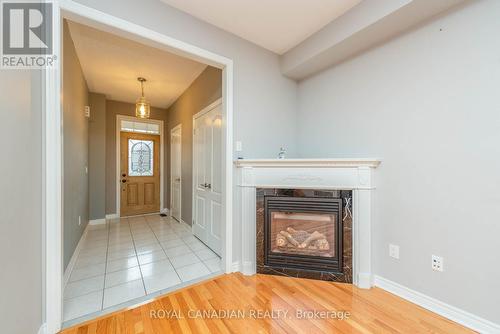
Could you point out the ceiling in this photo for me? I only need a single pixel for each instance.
(277, 25)
(111, 65)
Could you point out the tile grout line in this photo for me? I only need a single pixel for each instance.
(137, 255)
(163, 249)
(194, 252)
(199, 258)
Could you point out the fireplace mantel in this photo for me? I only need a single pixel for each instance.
(341, 174)
(309, 163)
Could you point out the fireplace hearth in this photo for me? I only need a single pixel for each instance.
(304, 233)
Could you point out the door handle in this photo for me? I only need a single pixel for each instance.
(208, 186)
(123, 180)
(178, 179)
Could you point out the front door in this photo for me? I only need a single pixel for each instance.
(207, 141)
(175, 175)
(139, 173)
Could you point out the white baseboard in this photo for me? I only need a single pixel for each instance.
(186, 224)
(451, 312)
(97, 221)
(72, 261)
(112, 216)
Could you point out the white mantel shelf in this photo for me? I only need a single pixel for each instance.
(310, 163)
(354, 174)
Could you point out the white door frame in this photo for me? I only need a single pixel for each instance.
(175, 128)
(119, 119)
(53, 178)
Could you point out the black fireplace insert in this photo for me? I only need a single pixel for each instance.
(304, 233)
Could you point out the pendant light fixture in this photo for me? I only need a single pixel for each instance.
(142, 106)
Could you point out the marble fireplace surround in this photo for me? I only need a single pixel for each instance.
(329, 174)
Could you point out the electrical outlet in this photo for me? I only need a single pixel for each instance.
(437, 263)
(394, 251)
(79, 220)
(239, 146)
(87, 111)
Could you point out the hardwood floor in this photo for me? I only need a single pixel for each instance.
(240, 299)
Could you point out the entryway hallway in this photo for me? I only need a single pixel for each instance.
(128, 260)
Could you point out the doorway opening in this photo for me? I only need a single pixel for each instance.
(139, 157)
(138, 226)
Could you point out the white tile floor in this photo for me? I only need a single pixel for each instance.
(130, 258)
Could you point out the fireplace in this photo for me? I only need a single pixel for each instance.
(305, 233)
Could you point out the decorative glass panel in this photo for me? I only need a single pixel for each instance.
(140, 157)
(140, 127)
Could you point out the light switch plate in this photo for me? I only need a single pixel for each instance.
(394, 251)
(239, 146)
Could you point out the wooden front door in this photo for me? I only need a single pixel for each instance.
(139, 173)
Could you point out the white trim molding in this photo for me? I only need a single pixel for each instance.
(112, 216)
(53, 183)
(100, 221)
(308, 163)
(339, 174)
(448, 311)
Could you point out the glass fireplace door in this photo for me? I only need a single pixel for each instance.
(303, 233)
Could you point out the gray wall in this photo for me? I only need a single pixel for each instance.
(204, 90)
(114, 108)
(263, 97)
(75, 149)
(21, 223)
(97, 156)
(428, 104)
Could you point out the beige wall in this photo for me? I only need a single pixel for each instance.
(204, 90)
(75, 149)
(97, 156)
(114, 108)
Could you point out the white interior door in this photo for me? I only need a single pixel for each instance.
(207, 177)
(175, 172)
